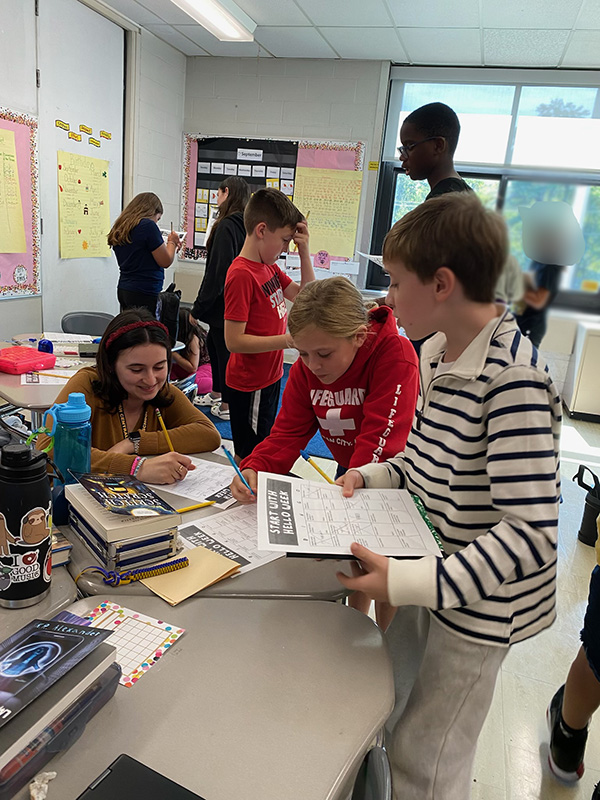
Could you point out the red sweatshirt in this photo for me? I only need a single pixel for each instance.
(364, 417)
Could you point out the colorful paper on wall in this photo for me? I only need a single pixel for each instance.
(83, 206)
(332, 196)
(12, 230)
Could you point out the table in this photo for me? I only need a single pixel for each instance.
(62, 593)
(258, 700)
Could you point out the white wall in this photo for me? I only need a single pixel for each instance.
(18, 92)
(159, 139)
(291, 99)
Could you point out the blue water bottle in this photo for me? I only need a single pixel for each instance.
(72, 431)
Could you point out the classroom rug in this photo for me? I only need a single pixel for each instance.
(316, 446)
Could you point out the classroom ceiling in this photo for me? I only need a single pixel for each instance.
(490, 33)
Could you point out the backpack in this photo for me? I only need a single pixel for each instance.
(167, 310)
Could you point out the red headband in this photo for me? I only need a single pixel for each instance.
(132, 326)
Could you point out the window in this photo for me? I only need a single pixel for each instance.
(525, 136)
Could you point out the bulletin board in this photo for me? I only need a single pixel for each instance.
(19, 206)
(324, 179)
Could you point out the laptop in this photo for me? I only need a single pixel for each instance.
(127, 778)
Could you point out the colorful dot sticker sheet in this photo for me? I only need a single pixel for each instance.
(140, 640)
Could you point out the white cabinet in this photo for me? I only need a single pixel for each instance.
(581, 394)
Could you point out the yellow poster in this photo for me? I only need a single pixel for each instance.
(12, 230)
(332, 196)
(83, 209)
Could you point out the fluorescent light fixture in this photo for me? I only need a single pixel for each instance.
(223, 19)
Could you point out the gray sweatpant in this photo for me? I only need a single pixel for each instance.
(444, 689)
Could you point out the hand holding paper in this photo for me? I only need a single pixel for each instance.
(370, 577)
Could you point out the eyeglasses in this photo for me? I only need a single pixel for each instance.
(405, 149)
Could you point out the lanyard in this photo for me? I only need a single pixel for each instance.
(124, 421)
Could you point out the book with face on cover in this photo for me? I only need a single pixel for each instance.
(34, 658)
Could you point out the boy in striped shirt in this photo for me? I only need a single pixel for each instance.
(482, 455)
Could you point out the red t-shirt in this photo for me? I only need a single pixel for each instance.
(254, 295)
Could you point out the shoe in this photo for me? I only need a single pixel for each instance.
(216, 411)
(567, 748)
(206, 400)
(596, 794)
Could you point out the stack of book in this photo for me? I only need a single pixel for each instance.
(122, 522)
(61, 549)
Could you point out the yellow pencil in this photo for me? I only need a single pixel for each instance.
(165, 431)
(198, 505)
(53, 375)
(305, 456)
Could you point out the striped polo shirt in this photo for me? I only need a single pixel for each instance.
(483, 456)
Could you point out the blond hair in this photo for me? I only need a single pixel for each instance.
(146, 204)
(456, 231)
(333, 305)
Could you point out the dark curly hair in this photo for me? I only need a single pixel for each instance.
(107, 386)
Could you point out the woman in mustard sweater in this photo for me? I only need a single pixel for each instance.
(125, 389)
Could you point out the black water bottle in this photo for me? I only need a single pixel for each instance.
(25, 521)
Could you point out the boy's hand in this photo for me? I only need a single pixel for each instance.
(350, 481)
(301, 237)
(240, 492)
(372, 578)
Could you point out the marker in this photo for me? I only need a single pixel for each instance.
(237, 469)
(164, 427)
(305, 455)
(193, 508)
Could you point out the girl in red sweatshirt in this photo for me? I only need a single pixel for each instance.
(356, 381)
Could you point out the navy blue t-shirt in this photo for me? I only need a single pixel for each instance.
(139, 270)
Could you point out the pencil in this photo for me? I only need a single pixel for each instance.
(53, 375)
(198, 505)
(165, 431)
(305, 455)
(237, 469)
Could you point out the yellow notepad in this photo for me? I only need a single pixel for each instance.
(206, 568)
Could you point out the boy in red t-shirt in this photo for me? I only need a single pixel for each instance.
(256, 314)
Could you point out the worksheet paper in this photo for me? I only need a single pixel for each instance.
(309, 517)
(209, 481)
(231, 534)
(59, 377)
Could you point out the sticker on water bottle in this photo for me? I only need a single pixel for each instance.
(35, 529)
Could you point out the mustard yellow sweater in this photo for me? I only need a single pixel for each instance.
(189, 430)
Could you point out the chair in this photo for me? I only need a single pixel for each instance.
(374, 779)
(92, 323)
(188, 386)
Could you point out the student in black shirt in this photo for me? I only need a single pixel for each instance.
(542, 285)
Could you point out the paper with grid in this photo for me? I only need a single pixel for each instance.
(140, 640)
(310, 517)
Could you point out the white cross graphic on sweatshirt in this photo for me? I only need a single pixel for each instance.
(334, 423)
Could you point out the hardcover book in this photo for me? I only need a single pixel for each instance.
(124, 494)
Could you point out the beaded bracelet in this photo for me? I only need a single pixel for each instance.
(138, 466)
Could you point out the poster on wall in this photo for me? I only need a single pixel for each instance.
(324, 179)
(83, 206)
(19, 206)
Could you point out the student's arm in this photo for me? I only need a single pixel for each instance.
(536, 298)
(521, 465)
(294, 427)
(389, 405)
(190, 364)
(238, 341)
(165, 253)
(307, 273)
(189, 430)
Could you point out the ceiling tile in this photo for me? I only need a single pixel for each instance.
(175, 39)
(136, 12)
(433, 13)
(589, 16)
(583, 50)
(342, 13)
(214, 47)
(167, 11)
(364, 42)
(518, 14)
(514, 48)
(294, 42)
(442, 46)
(273, 12)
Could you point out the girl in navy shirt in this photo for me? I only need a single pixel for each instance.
(141, 252)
